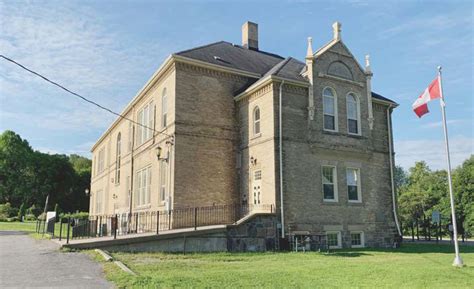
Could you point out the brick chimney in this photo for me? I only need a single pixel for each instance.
(250, 35)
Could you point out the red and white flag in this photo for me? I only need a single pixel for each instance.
(420, 106)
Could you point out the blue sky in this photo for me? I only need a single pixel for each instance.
(107, 50)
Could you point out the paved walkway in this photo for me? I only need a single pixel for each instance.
(26, 263)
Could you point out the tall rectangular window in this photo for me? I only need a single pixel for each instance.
(330, 109)
(353, 185)
(352, 103)
(143, 186)
(94, 166)
(164, 110)
(329, 183)
(130, 137)
(163, 172)
(145, 127)
(99, 202)
(101, 163)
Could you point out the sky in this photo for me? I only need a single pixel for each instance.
(107, 50)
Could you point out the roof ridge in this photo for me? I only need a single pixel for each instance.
(259, 51)
(283, 64)
(202, 46)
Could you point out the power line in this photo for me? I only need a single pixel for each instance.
(80, 96)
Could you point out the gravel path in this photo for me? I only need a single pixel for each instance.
(26, 263)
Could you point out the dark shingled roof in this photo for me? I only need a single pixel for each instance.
(288, 68)
(234, 56)
(255, 61)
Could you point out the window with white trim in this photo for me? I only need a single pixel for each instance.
(329, 180)
(130, 137)
(256, 121)
(334, 240)
(164, 108)
(357, 240)
(101, 163)
(143, 186)
(118, 152)
(329, 109)
(94, 166)
(353, 185)
(145, 120)
(99, 202)
(163, 174)
(353, 114)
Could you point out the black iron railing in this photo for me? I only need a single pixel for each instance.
(158, 221)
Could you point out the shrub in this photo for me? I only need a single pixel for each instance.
(30, 217)
(34, 210)
(7, 211)
(77, 215)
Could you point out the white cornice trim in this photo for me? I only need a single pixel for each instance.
(266, 80)
(380, 101)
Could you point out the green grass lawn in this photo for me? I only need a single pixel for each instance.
(18, 226)
(30, 227)
(412, 266)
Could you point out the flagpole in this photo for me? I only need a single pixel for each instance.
(457, 260)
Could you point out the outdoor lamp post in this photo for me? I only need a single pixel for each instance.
(87, 192)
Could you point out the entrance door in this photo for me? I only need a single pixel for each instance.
(257, 184)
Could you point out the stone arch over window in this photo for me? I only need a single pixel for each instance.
(256, 120)
(339, 69)
(353, 113)
(118, 154)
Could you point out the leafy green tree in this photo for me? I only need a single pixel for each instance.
(15, 168)
(27, 176)
(463, 187)
(400, 177)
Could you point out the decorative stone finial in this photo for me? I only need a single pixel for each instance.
(336, 28)
(367, 64)
(309, 53)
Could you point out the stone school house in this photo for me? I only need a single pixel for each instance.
(306, 143)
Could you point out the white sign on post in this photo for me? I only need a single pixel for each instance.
(50, 215)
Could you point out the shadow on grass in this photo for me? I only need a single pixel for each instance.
(409, 248)
(346, 254)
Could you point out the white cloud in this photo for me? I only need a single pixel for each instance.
(440, 123)
(433, 152)
(433, 23)
(70, 45)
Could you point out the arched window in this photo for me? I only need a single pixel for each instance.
(353, 114)
(117, 158)
(256, 120)
(164, 108)
(330, 109)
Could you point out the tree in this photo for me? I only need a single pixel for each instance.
(400, 177)
(463, 187)
(15, 169)
(28, 176)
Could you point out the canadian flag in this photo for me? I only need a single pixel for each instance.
(420, 106)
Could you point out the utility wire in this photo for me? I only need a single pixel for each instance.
(80, 96)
